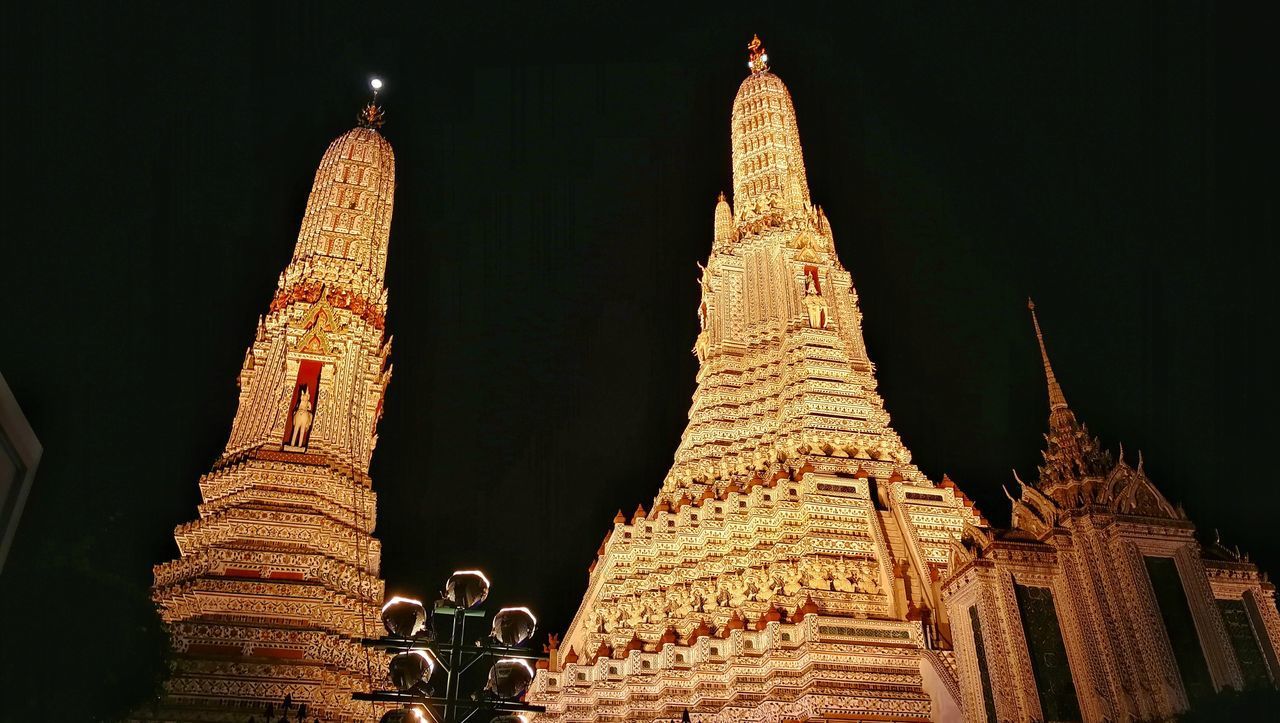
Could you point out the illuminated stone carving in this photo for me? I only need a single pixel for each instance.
(302, 420)
(278, 578)
(777, 576)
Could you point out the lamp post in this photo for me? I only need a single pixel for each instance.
(419, 652)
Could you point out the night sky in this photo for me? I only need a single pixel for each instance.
(557, 172)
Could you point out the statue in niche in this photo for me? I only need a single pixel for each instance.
(301, 420)
(814, 304)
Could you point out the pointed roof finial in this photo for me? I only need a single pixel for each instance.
(758, 58)
(371, 115)
(1056, 399)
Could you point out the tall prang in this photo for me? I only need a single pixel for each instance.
(789, 566)
(278, 578)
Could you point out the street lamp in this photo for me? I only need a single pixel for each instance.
(418, 654)
(404, 617)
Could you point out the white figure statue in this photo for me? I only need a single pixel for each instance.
(814, 304)
(301, 420)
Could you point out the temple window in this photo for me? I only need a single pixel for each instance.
(984, 675)
(1180, 625)
(1049, 664)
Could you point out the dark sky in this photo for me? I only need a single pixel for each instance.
(557, 174)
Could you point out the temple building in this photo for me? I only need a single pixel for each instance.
(278, 577)
(1099, 604)
(796, 566)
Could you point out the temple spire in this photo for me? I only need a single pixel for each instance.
(1070, 454)
(345, 228)
(1056, 398)
(290, 500)
(769, 183)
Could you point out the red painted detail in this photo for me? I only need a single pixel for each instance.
(287, 575)
(241, 572)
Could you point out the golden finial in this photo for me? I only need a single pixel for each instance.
(1057, 400)
(371, 115)
(759, 58)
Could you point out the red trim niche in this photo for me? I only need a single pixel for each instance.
(810, 271)
(308, 378)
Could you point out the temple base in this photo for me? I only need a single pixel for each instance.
(821, 668)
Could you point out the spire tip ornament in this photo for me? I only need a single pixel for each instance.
(371, 115)
(758, 57)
